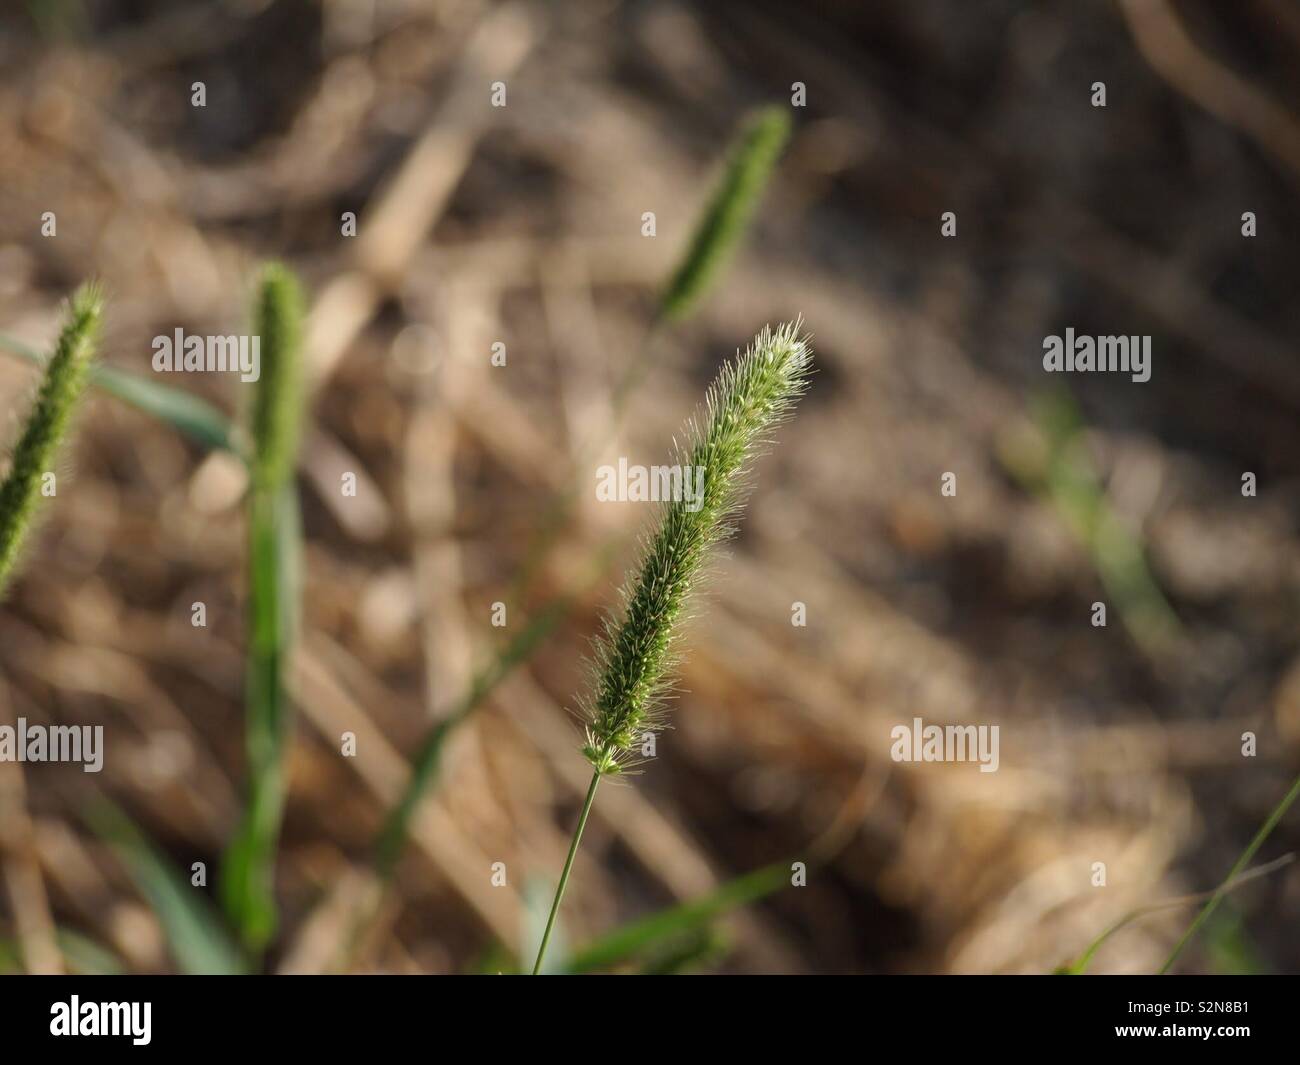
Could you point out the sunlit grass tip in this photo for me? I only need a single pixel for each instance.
(635, 655)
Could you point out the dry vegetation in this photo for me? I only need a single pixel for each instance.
(522, 225)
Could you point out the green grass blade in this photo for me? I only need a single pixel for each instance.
(1051, 460)
(189, 414)
(687, 918)
(687, 953)
(752, 159)
(194, 417)
(1234, 874)
(424, 773)
(194, 932)
(1079, 965)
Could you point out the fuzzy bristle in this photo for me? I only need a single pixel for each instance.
(66, 374)
(751, 396)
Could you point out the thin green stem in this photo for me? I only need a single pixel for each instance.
(1266, 829)
(568, 865)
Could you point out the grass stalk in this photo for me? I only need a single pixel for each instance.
(568, 866)
(636, 655)
(1079, 965)
(428, 758)
(1234, 874)
(248, 872)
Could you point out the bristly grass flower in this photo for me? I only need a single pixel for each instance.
(66, 373)
(635, 656)
(751, 158)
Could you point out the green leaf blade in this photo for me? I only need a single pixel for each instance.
(196, 418)
(678, 923)
(195, 935)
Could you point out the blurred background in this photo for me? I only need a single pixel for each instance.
(522, 225)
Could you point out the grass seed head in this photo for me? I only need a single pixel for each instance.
(635, 656)
(277, 405)
(66, 373)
